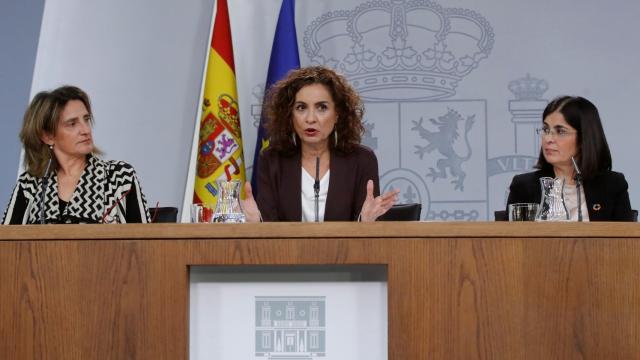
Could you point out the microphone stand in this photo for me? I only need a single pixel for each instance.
(45, 183)
(316, 188)
(578, 179)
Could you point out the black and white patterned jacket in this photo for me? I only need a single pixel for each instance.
(107, 192)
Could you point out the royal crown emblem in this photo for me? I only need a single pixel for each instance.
(427, 49)
(528, 88)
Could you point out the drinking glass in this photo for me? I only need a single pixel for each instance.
(523, 211)
(201, 213)
(228, 208)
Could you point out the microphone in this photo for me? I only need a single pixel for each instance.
(316, 187)
(577, 169)
(45, 182)
(578, 179)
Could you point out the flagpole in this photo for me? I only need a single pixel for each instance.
(187, 200)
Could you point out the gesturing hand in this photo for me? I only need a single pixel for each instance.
(374, 207)
(249, 205)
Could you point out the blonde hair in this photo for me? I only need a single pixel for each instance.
(42, 117)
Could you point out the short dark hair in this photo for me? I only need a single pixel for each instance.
(281, 97)
(42, 117)
(593, 155)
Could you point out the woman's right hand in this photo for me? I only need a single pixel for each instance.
(372, 207)
(249, 205)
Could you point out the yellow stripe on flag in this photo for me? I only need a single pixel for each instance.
(220, 142)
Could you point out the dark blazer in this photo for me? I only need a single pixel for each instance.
(279, 186)
(606, 194)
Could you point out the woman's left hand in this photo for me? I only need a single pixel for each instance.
(374, 207)
(249, 205)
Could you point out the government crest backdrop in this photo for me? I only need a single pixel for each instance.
(444, 135)
(453, 89)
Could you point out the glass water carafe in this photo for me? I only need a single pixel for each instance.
(552, 206)
(228, 209)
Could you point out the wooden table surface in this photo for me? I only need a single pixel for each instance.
(486, 290)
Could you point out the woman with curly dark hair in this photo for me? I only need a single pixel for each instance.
(315, 127)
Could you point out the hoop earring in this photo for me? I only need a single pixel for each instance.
(293, 138)
(335, 137)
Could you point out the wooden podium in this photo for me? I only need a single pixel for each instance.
(455, 290)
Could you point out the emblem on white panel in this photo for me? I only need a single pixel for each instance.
(368, 139)
(418, 47)
(526, 110)
(403, 52)
(256, 106)
(443, 140)
(412, 187)
(290, 327)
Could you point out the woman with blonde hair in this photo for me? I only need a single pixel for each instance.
(65, 181)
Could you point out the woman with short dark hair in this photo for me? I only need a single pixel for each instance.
(571, 127)
(314, 114)
(65, 181)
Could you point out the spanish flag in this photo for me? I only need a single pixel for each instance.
(220, 140)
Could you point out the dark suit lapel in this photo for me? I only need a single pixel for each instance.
(595, 203)
(291, 189)
(338, 168)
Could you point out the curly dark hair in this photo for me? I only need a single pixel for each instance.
(281, 97)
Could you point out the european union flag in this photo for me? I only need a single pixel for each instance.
(284, 57)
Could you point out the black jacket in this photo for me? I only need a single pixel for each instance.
(606, 194)
(279, 185)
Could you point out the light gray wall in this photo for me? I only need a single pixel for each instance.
(570, 47)
(19, 30)
(142, 63)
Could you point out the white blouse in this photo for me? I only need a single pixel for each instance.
(308, 197)
(571, 201)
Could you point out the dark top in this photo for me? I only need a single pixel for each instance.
(606, 194)
(107, 192)
(63, 205)
(279, 185)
